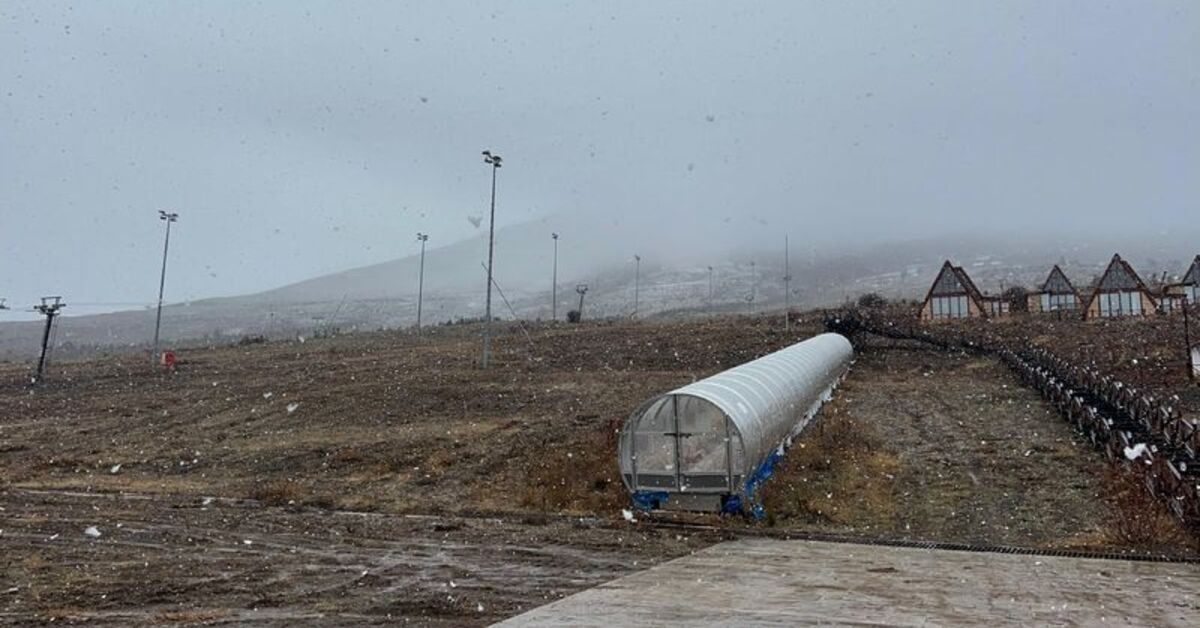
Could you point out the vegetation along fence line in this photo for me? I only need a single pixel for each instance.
(1145, 435)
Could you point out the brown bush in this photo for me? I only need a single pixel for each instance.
(278, 492)
(1136, 519)
(836, 472)
(579, 478)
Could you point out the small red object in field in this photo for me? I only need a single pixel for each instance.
(168, 360)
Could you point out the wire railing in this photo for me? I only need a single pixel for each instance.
(1143, 433)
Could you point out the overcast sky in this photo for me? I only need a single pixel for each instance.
(297, 138)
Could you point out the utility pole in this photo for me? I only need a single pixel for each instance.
(494, 161)
(423, 238)
(49, 308)
(168, 217)
(787, 287)
(637, 284)
(554, 286)
(582, 290)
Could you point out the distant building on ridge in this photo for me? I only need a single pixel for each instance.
(1120, 292)
(953, 295)
(1173, 295)
(1056, 294)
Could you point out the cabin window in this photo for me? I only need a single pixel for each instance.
(1120, 303)
(949, 307)
(1055, 302)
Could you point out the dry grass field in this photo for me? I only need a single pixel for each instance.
(383, 475)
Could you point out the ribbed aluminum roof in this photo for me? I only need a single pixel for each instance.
(767, 397)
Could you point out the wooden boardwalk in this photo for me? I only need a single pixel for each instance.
(770, 582)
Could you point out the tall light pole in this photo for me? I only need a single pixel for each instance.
(423, 237)
(637, 283)
(787, 287)
(168, 217)
(554, 286)
(494, 161)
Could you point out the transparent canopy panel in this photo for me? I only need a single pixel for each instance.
(714, 434)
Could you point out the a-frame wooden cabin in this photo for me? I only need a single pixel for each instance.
(1174, 295)
(1192, 278)
(1120, 292)
(953, 295)
(1056, 294)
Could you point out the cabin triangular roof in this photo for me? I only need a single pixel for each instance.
(1057, 282)
(953, 281)
(948, 282)
(1192, 278)
(966, 280)
(1119, 276)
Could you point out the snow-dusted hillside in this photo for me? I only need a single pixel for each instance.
(385, 295)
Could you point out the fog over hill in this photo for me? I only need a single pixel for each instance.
(674, 281)
(304, 145)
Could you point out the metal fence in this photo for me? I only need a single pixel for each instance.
(1143, 433)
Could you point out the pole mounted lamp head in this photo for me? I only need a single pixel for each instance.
(168, 216)
(495, 160)
(581, 288)
(554, 235)
(423, 237)
(50, 305)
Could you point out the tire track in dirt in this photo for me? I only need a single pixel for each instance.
(232, 560)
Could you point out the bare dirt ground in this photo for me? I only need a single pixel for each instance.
(925, 444)
(393, 455)
(1147, 352)
(177, 559)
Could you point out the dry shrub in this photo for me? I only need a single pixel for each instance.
(441, 459)
(276, 492)
(579, 477)
(289, 493)
(34, 562)
(837, 471)
(1136, 519)
(348, 457)
(352, 502)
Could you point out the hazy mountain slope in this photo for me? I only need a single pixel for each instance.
(384, 295)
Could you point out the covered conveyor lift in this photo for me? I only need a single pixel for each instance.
(709, 445)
